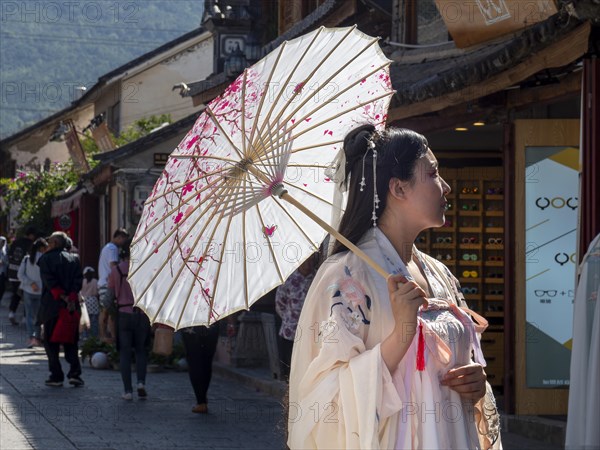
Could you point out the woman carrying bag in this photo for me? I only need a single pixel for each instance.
(31, 284)
(133, 328)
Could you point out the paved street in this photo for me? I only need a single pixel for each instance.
(36, 416)
(95, 417)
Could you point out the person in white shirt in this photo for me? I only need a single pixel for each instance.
(31, 283)
(109, 257)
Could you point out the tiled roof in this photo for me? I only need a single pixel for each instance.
(420, 75)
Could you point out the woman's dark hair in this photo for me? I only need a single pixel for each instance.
(125, 252)
(35, 247)
(398, 150)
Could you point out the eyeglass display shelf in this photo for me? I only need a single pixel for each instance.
(494, 280)
(470, 196)
(470, 246)
(444, 230)
(498, 230)
(494, 297)
(470, 229)
(462, 262)
(494, 196)
(494, 213)
(469, 280)
(442, 245)
(494, 246)
(469, 213)
(494, 263)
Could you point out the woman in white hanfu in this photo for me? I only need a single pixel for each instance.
(390, 363)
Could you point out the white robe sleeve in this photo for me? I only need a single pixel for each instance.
(341, 392)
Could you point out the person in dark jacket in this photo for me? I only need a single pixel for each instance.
(62, 278)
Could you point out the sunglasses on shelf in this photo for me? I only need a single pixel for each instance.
(444, 240)
(495, 241)
(470, 190)
(470, 274)
(470, 207)
(495, 308)
(469, 257)
(441, 257)
(469, 240)
(495, 258)
(421, 239)
(447, 223)
(470, 290)
(496, 292)
(495, 275)
(495, 191)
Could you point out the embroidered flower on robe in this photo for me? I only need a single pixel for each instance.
(328, 328)
(350, 295)
(352, 292)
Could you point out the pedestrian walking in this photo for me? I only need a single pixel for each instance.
(200, 345)
(31, 284)
(109, 257)
(89, 292)
(133, 328)
(61, 282)
(16, 252)
(3, 266)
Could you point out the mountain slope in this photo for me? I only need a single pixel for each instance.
(49, 48)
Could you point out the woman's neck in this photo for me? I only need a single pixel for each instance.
(400, 236)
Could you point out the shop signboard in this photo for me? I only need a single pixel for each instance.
(471, 22)
(552, 206)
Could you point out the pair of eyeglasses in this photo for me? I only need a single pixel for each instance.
(470, 290)
(495, 191)
(541, 293)
(444, 240)
(496, 292)
(440, 257)
(495, 275)
(470, 207)
(469, 240)
(469, 257)
(421, 239)
(495, 258)
(470, 190)
(495, 308)
(447, 223)
(495, 241)
(470, 274)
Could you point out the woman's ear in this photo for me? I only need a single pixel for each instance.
(396, 188)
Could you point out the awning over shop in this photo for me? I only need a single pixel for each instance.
(67, 204)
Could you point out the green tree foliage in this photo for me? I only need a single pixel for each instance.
(133, 132)
(31, 193)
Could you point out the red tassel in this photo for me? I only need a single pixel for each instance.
(421, 349)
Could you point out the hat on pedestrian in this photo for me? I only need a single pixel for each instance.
(88, 269)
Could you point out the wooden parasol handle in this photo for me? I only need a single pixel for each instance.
(357, 251)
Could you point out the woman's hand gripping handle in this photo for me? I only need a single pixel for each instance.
(406, 297)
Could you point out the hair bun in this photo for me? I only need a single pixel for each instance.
(356, 145)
